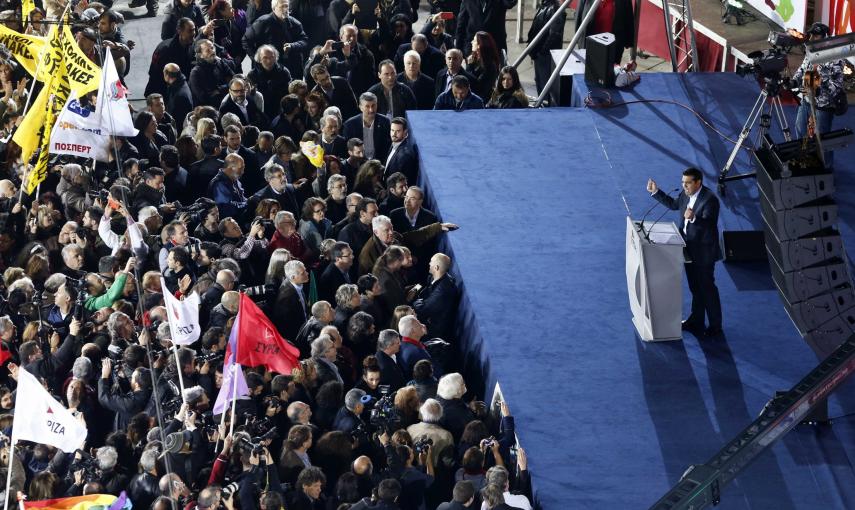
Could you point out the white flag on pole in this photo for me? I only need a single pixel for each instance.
(183, 316)
(42, 419)
(79, 132)
(112, 106)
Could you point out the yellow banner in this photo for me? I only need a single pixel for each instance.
(27, 7)
(25, 48)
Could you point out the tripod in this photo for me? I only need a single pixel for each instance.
(763, 109)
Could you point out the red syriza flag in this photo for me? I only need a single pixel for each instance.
(259, 343)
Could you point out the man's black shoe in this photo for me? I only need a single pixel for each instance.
(136, 3)
(688, 325)
(713, 331)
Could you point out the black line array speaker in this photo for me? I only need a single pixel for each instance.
(600, 53)
(806, 254)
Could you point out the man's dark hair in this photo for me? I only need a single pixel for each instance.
(694, 173)
(231, 129)
(402, 122)
(280, 384)
(212, 337)
(271, 500)
(26, 350)
(169, 157)
(254, 380)
(112, 16)
(212, 250)
(210, 144)
(310, 475)
(149, 99)
(463, 491)
(284, 144)
(95, 212)
(182, 23)
(460, 81)
(388, 490)
(366, 282)
(422, 370)
(128, 164)
(107, 264)
(317, 69)
(134, 355)
(395, 178)
(338, 248)
(386, 62)
(353, 143)
(180, 255)
(363, 204)
(290, 103)
(143, 378)
(152, 172)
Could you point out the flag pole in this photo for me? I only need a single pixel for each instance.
(234, 368)
(180, 375)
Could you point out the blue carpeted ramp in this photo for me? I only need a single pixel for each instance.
(608, 421)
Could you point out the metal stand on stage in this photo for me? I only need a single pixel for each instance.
(767, 103)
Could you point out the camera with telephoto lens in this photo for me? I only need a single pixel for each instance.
(422, 444)
(210, 357)
(88, 464)
(768, 64)
(256, 426)
(171, 407)
(385, 417)
(257, 291)
(197, 210)
(254, 445)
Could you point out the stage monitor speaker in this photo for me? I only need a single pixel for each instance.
(828, 337)
(805, 252)
(789, 192)
(799, 221)
(601, 50)
(812, 313)
(743, 245)
(801, 285)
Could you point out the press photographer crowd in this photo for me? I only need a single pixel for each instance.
(234, 298)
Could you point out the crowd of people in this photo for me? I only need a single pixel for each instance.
(224, 191)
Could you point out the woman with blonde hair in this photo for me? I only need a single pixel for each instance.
(204, 127)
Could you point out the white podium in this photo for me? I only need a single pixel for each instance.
(654, 272)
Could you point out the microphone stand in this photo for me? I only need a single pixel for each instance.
(646, 233)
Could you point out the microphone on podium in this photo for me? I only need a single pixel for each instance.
(646, 233)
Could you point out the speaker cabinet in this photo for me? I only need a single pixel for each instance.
(802, 253)
(812, 313)
(788, 192)
(801, 285)
(799, 221)
(601, 50)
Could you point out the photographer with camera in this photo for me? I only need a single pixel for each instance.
(414, 479)
(259, 470)
(54, 366)
(349, 417)
(826, 82)
(128, 404)
(132, 240)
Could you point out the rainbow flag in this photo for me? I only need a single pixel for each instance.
(90, 502)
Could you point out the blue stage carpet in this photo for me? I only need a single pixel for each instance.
(609, 421)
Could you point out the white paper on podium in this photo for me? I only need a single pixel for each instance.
(664, 233)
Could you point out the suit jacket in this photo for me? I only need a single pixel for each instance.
(342, 96)
(403, 99)
(331, 279)
(288, 313)
(701, 235)
(437, 306)
(252, 178)
(382, 126)
(391, 372)
(442, 76)
(488, 16)
(179, 101)
(401, 224)
(410, 355)
(253, 115)
(446, 101)
(405, 159)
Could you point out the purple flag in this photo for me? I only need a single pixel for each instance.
(231, 388)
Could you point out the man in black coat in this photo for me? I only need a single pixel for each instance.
(177, 50)
(237, 103)
(371, 128)
(412, 216)
(699, 209)
(404, 155)
(288, 196)
(356, 62)
(437, 302)
(388, 347)
(209, 80)
(252, 178)
(283, 32)
(420, 83)
(453, 67)
(358, 232)
(554, 39)
(271, 79)
(432, 60)
(337, 273)
(178, 98)
(335, 89)
(290, 312)
(202, 171)
(348, 418)
(462, 497)
(393, 97)
(486, 15)
(54, 365)
(124, 405)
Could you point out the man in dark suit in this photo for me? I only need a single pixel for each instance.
(290, 312)
(393, 97)
(437, 303)
(337, 273)
(486, 15)
(453, 67)
(371, 128)
(412, 216)
(202, 171)
(179, 99)
(419, 82)
(288, 196)
(388, 347)
(404, 154)
(237, 103)
(253, 178)
(462, 497)
(698, 208)
(432, 60)
(335, 89)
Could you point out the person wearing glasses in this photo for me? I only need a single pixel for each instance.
(236, 102)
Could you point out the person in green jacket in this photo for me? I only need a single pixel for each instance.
(114, 292)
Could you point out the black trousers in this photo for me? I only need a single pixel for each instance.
(705, 299)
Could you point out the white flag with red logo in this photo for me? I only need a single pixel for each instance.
(112, 106)
(41, 419)
(183, 315)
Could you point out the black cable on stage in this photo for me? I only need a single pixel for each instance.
(593, 101)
